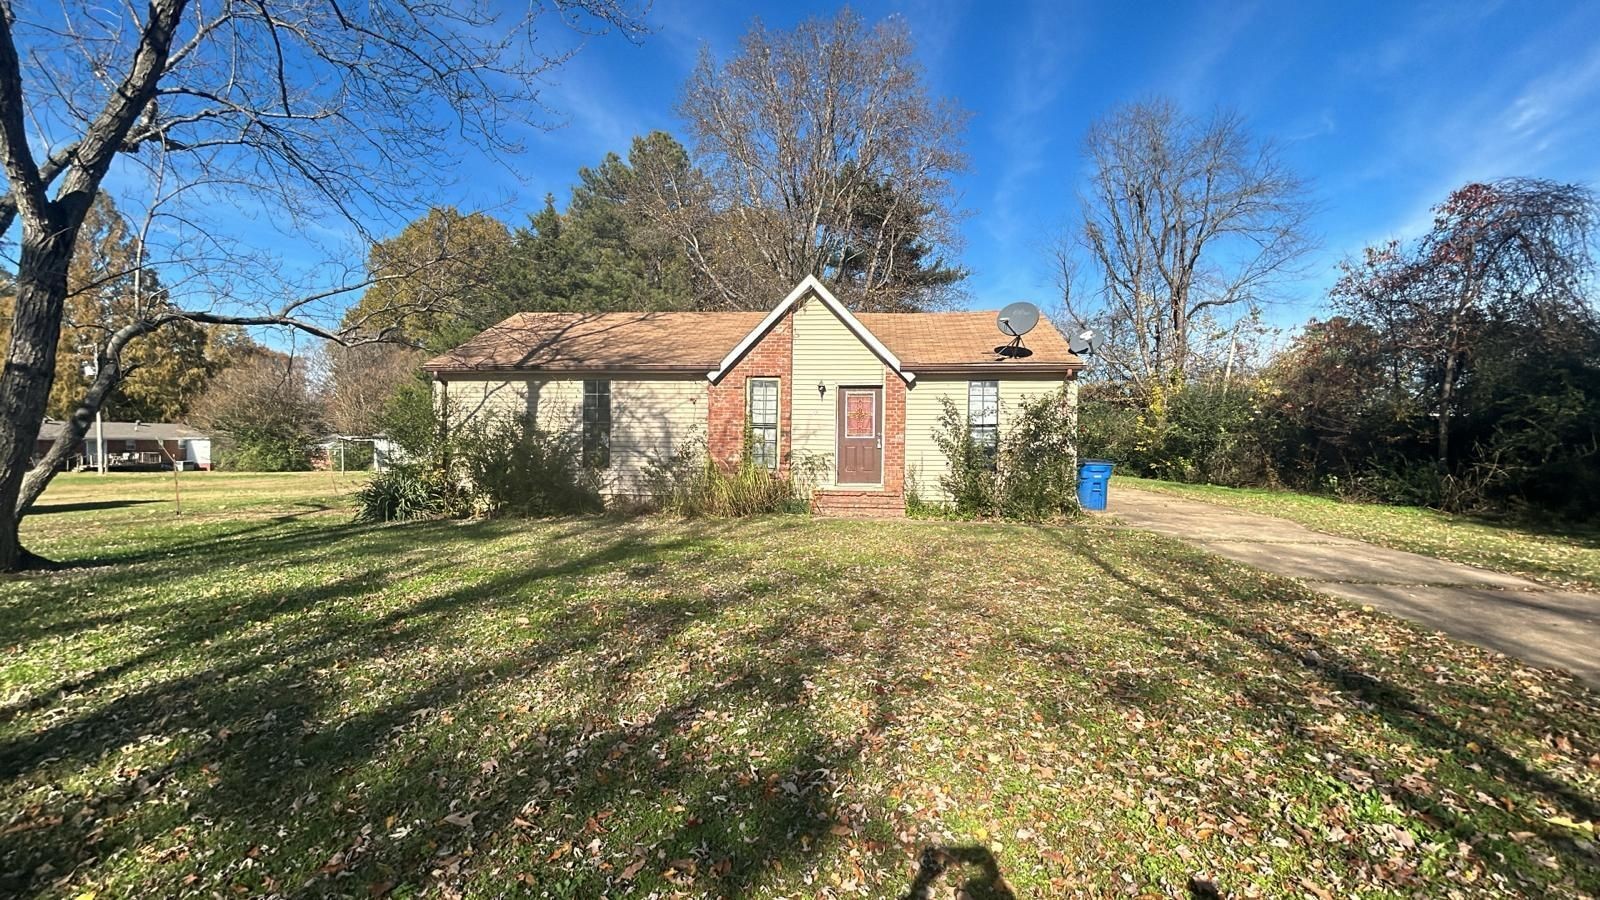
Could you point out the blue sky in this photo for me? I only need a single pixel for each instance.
(1383, 107)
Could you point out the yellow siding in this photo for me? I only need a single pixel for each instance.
(825, 350)
(924, 461)
(650, 419)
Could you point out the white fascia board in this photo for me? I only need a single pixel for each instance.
(811, 284)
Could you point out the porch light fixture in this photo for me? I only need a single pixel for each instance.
(822, 389)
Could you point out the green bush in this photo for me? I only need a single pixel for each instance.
(494, 467)
(1032, 475)
(970, 481)
(1038, 463)
(410, 419)
(1203, 433)
(1109, 428)
(404, 493)
(263, 452)
(514, 468)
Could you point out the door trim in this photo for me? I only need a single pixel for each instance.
(878, 393)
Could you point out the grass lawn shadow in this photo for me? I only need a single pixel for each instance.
(267, 703)
(1454, 751)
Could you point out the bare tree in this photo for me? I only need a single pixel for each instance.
(326, 111)
(263, 409)
(823, 155)
(1184, 220)
(360, 382)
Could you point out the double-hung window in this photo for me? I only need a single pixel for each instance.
(597, 423)
(983, 412)
(762, 414)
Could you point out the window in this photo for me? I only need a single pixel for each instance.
(762, 414)
(597, 424)
(983, 411)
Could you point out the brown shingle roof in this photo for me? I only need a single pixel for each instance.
(928, 342)
(697, 342)
(667, 341)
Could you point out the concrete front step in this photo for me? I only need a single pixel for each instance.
(865, 504)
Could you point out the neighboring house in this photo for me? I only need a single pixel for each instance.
(132, 445)
(812, 381)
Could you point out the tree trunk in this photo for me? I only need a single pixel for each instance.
(29, 369)
(74, 429)
(1447, 392)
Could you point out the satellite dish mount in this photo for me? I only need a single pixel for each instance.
(1016, 320)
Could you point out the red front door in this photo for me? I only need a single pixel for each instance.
(860, 430)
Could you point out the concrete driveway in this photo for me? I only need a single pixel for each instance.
(1515, 616)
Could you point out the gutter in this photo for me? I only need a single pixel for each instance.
(438, 371)
(1001, 367)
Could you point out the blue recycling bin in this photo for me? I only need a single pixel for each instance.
(1094, 483)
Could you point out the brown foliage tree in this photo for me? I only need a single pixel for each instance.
(1518, 250)
(451, 258)
(110, 288)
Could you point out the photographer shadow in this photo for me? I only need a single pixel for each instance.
(983, 881)
(974, 863)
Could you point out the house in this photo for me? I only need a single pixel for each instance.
(132, 445)
(859, 394)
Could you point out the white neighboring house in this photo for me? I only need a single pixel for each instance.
(132, 445)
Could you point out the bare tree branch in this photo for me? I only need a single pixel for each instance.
(1183, 219)
(304, 109)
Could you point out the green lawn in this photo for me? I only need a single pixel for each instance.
(261, 698)
(1566, 557)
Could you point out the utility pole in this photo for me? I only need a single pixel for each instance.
(100, 441)
(92, 370)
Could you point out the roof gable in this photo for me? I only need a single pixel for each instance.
(810, 285)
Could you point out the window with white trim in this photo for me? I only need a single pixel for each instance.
(983, 413)
(597, 423)
(761, 408)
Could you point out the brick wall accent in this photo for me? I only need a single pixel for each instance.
(894, 433)
(771, 357)
(859, 504)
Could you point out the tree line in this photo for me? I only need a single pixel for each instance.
(817, 150)
(1459, 369)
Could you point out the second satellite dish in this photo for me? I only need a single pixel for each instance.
(1017, 319)
(1084, 344)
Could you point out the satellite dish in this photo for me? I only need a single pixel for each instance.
(1017, 319)
(1084, 344)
